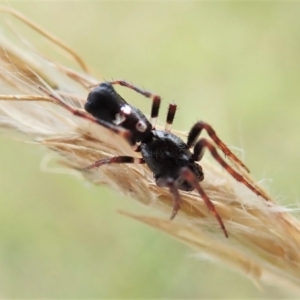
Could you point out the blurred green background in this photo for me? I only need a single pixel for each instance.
(234, 65)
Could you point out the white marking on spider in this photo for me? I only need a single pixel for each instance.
(126, 110)
(141, 126)
(121, 116)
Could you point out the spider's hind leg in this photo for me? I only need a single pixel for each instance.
(156, 99)
(170, 116)
(116, 160)
(82, 114)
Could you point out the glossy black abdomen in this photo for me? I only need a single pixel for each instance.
(104, 103)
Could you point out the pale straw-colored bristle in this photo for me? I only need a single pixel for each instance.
(264, 238)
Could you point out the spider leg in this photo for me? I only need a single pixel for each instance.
(195, 133)
(169, 182)
(170, 116)
(190, 177)
(116, 160)
(198, 153)
(80, 113)
(155, 98)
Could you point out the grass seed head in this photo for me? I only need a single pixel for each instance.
(264, 238)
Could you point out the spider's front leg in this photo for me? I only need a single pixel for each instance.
(199, 151)
(190, 177)
(195, 133)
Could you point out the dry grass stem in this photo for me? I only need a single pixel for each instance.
(264, 238)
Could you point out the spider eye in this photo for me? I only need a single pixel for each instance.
(141, 126)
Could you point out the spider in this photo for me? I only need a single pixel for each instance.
(170, 159)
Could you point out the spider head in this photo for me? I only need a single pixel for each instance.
(197, 170)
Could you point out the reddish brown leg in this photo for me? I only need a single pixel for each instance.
(190, 177)
(195, 133)
(155, 98)
(198, 153)
(77, 112)
(176, 200)
(169, 182)
(116, 160)
(170, 116)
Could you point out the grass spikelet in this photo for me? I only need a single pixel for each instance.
(264, 238)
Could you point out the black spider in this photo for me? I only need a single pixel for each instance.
(167, 156)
